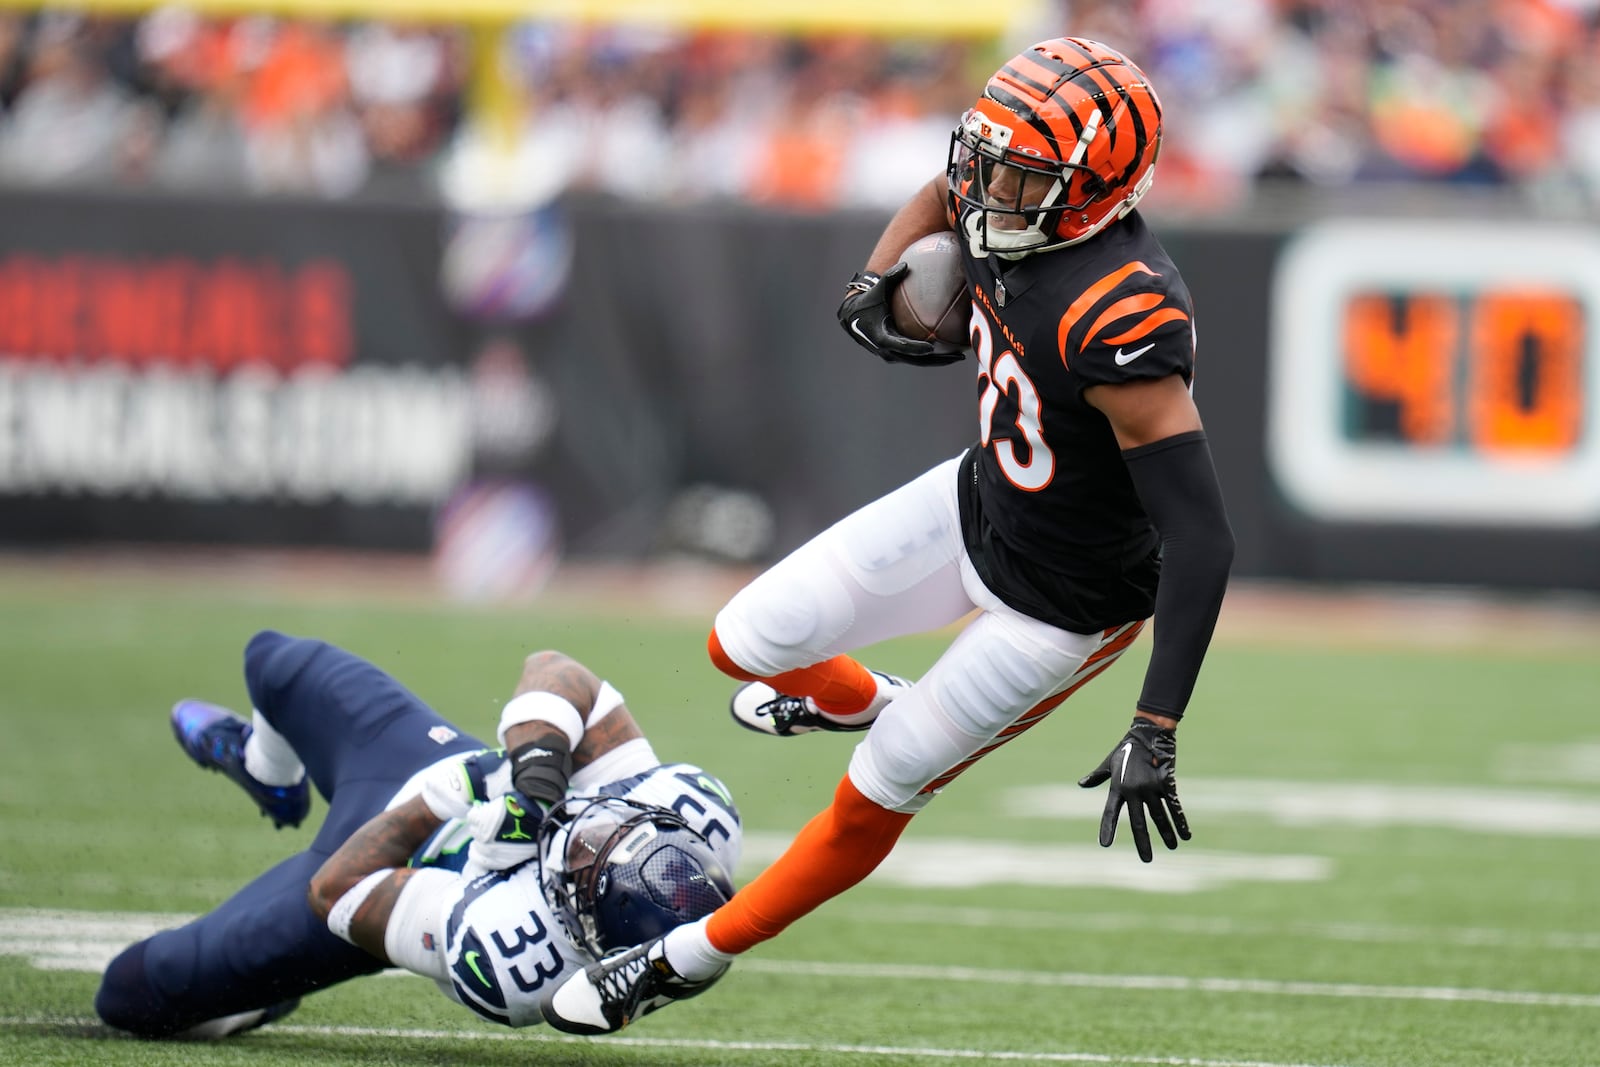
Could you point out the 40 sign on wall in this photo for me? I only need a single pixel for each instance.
(1444, 372)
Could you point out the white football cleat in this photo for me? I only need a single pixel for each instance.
(606, 996)
(759, 707)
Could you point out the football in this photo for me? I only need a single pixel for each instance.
(931, 301)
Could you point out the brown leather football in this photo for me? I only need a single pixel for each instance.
(931, 301)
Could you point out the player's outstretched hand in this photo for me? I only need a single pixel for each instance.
(866, 316)
(1142, 770)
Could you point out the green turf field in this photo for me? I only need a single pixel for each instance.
(1395, 858)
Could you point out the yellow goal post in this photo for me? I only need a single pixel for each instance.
(494, 102)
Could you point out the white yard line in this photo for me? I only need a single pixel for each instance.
(1170, 983)
(86, 941)
(729, 1046)
(1206, 926)
(964, 863)
(1468, 809)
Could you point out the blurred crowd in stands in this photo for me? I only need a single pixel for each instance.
(1315, 92)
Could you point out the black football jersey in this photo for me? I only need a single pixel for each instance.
(1049, 512)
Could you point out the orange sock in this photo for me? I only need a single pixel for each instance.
(840, 686)
(835, 850)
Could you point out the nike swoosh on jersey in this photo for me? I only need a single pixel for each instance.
(472, 958)
(1125, 358)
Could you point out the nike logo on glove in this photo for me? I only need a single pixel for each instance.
(855, 328)
(1125, 358)
(1127, 750)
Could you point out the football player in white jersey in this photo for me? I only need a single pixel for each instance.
(496, 872)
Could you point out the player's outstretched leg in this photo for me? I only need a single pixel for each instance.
(758, 706)
(214, 737)
(610, 994)
(242, 965)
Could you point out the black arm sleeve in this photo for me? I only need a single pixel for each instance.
(1178, 486)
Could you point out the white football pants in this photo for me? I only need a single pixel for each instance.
(898, 566)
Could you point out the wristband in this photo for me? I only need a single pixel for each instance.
(343, 912)
(863, 282)
(542, 706)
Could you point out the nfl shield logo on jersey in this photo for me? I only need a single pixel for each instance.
(442, 735)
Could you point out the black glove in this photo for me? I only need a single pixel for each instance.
(540, 769)
(1142, 769)
(866, 317)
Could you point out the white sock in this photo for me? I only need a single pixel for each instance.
(269, 758)
(689, 951)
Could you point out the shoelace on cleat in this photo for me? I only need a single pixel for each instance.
(786, 711)
(617, 986)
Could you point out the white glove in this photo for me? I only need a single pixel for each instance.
(505, 831)
(451, 788)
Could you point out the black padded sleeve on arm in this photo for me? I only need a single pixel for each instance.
(540, 769)
(1177, 484)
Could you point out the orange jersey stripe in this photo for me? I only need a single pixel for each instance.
(1092, 296)
(1128, 305)
(1150, 322)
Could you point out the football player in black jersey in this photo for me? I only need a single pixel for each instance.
(1088, 504)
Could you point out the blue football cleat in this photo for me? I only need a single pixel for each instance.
(214, 737)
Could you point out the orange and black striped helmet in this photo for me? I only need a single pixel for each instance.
(1082, 125)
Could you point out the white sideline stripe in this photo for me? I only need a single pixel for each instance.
(727, 1046)
(1200, 926)
(1171, 983)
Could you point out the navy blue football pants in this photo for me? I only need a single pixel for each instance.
(361, 735)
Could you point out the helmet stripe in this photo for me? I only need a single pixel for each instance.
(1024, 109)
(1116, 90)
(1048, 76)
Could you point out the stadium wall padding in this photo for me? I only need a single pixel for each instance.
(284, 373)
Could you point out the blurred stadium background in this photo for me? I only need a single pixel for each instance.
(515, 284)
(451, 330)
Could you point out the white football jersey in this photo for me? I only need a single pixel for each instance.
(502, 943)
